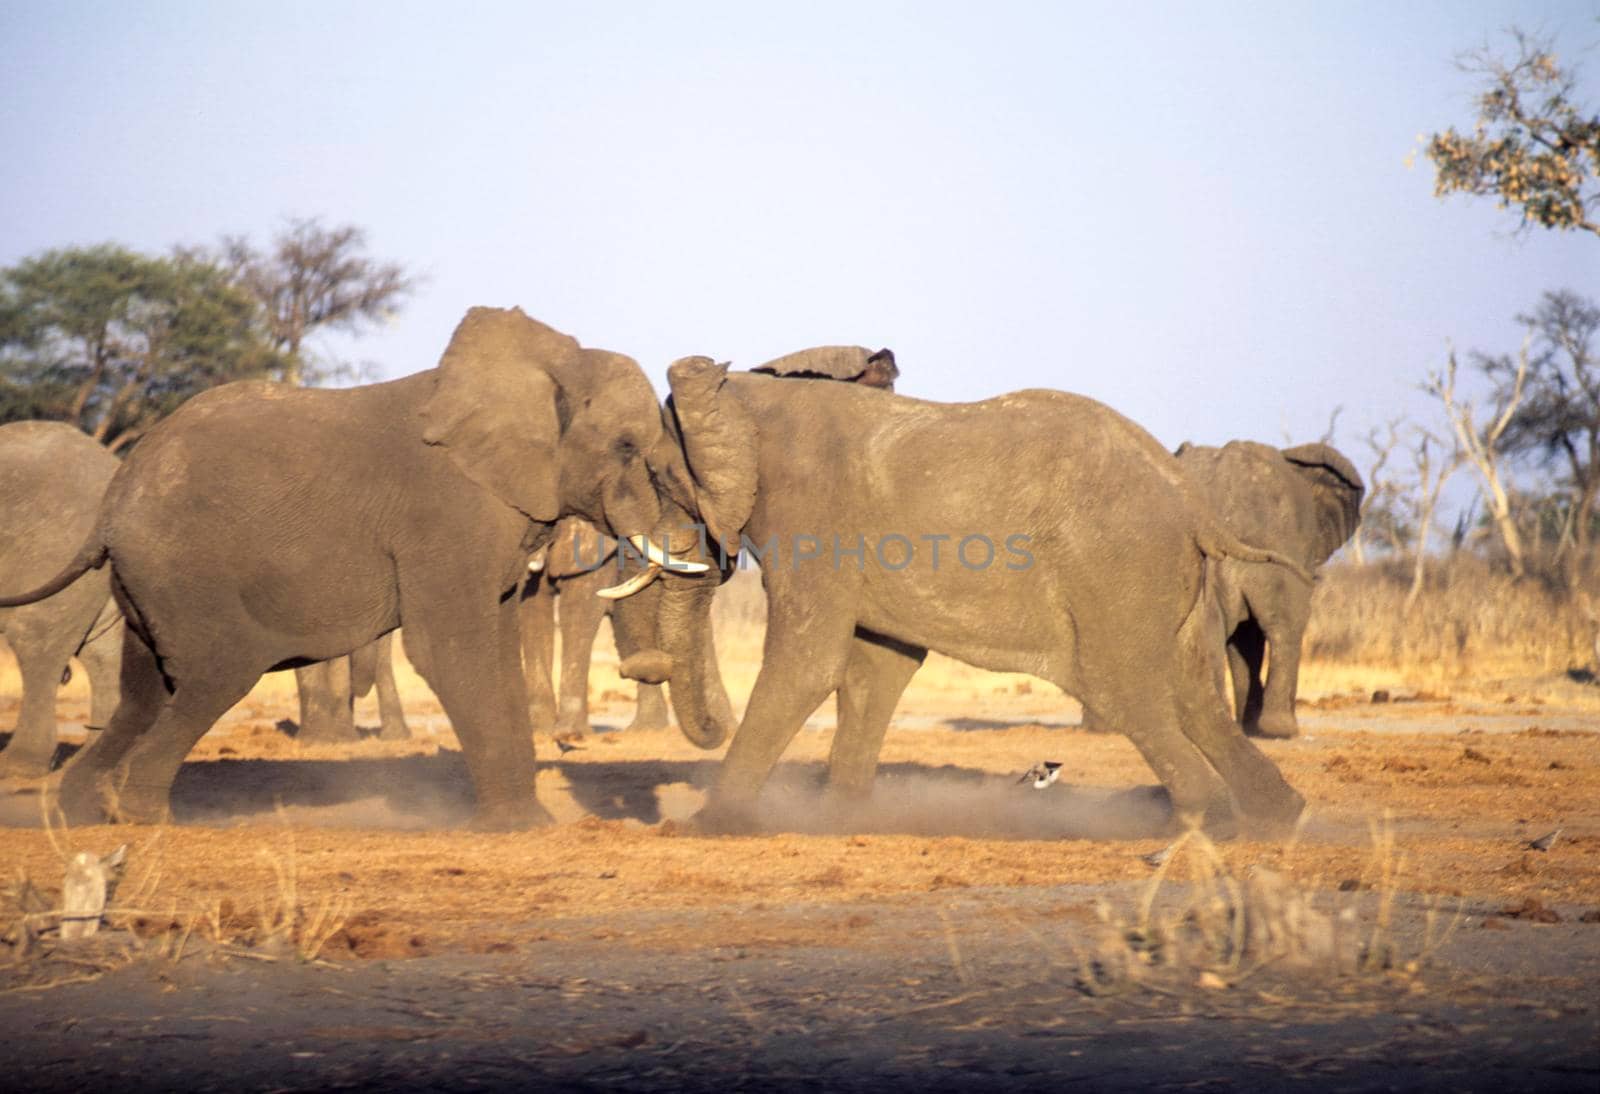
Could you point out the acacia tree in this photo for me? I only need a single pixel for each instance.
(1532, 145)
(1557, 423)
(112, 340)
(311, 279)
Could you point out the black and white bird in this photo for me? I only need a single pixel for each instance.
(1041, 774)
(1544, 842)
(567, 746)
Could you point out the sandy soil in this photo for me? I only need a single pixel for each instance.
(870, 945)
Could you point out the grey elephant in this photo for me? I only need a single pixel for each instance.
(1303, 502)
(328, 691)
(579, 563)
(261, 527)
(52, 477)
(1038, 532)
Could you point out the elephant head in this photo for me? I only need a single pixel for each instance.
(547, 426)
(1337, 489)
(706, 474)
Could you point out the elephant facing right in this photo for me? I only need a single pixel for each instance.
(1303, 502)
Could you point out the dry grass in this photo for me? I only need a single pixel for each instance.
(1472, 620)
(1224, 925)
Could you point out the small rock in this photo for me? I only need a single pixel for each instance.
(1380, 696)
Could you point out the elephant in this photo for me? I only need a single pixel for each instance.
(328, 691)
(52, 476)
(1075, 548)
(579, 562)
(262, 527)
(1303, 502)
(578, 565)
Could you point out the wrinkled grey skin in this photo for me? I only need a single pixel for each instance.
(262, 527)
(580, 562)
(52, 477)
(328, 691)
(1303, 502)
(1115, 607)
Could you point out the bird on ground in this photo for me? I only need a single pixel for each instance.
(1041, 774)
(1544, 842)
(567, 746)
(1156, 858)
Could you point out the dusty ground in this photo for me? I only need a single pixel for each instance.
(938, 937)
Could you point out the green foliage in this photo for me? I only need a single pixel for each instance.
(1532, 146)
(112, 340)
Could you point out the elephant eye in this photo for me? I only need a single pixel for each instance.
(625, 449)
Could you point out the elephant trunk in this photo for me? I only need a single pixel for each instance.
(684, 630)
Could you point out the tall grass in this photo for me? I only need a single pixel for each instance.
(1472, 619)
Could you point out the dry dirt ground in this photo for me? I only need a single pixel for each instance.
(959, 931)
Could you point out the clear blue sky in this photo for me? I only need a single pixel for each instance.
(1198, 213)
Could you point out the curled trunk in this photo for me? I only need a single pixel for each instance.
(684, 630)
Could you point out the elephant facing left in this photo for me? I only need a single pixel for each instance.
(263, 527)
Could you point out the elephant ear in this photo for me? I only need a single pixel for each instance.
(494, 408)
(719, 443)
(1338, 488)
(1327, 461)
(852, 364)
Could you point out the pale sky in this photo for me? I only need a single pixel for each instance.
(1199, 213)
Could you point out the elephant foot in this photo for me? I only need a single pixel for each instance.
(139, 805)
(1275, 820)
(19, 764)
(723, 818)
(394, 731)
(1276, 726)
(328, 733)
(512, 817)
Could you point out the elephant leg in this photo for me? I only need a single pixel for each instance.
(1147, 713)
(391, 714)
(581, 613)
(327, 714)
(33, 743)
(537, 619)
(803, 663)
(193, 707)
(875, 676)
(101, 658)
(463, 638)
(1259, 791)
(1246, 653)
(1285, 630)
(87, 781)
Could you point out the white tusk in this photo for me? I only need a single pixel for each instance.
(632, 585)
(536, 564)
(665, 561)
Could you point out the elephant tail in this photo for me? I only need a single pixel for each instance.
(91, 556)
(1215, 542)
